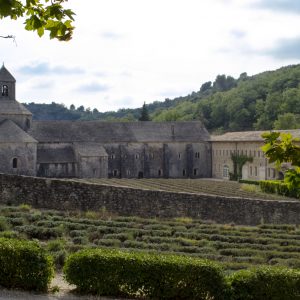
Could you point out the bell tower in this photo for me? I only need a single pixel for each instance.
(10, 108)
(7, 85)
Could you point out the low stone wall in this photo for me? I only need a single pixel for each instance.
(69, 195)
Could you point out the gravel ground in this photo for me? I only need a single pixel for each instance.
(63, 294)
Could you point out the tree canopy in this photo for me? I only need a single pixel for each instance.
(41, 15)
(282, 148)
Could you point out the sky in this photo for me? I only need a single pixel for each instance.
(127, 52)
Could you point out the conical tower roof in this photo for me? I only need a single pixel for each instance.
(5, 75)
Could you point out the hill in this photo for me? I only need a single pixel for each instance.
(269, 100)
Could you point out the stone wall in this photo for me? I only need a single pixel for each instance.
(71, 195)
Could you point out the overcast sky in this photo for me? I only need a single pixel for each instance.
(127, 52)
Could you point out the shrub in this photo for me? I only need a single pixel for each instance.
(255, 182)
(112, 272)
(265, 283)
(3, 224)
(279, 187)
(24, 265)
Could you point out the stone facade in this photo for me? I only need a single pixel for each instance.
(97, 149)
(244, 143)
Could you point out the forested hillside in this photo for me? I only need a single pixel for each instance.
(270, 100)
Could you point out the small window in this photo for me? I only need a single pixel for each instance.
(255, 170)
(112, 156)
(183, 172)
(137, 156)
(128, 172)
(159, 172)
(115, 173)
(195, 172)
(197, 154)
(4, 90)
(258, 153)
(15, 163)
(179, 155)
(251, 170)
(226, 172)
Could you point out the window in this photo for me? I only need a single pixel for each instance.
(183, 172)
(15, 163)
(179, 155)
(226, 172)
(250, 170)
(137, 156)
(115, 173)
(112, 156)
(128, 172)
(255, 170)
(254, 153)
(258, 153)
(226, 152)
(197, 154)
(4, 90)
(269, 172)
(195, 172)
(159, 172)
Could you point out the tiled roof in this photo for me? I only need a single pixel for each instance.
(5, 75)
(248, 136)
(109, 132)
(12, 133)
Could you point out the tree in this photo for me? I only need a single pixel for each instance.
(144, 114)
(281, 148)
(287, 121)
(41, 15)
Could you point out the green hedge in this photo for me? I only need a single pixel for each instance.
(117, 273)
(278, 187)
(265, 283)
(25, 265)
(255, 182)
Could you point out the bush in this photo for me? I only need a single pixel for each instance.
(255, 182)
(24, 265)
(265, 283)
(279, 187)
(115, 273)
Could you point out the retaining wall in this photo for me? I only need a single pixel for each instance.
(72, 195)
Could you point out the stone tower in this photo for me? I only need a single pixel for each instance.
(10, 109)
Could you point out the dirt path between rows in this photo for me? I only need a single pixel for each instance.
(64, 293)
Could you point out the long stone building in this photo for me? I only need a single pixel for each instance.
(95, 148)
(124, 150)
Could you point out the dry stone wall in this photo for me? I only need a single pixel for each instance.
(72, 195)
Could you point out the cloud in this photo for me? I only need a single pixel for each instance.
(45, 69)
(292, 6)
(238, 34)
(285, 49)
(93, 87)
(43, 85)
(111, 35)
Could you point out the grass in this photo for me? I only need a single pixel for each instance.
(195, 186)
(237, 247)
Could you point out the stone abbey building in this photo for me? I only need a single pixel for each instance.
(124, 150)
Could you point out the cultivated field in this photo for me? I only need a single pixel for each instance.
(236, 246)
(197, 186)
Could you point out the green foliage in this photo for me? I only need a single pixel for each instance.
(280, 188)
(114, 273)
(41, 15)
(144, 113)
(238, 162)
(265, 283)
(281, 148)
(24, 265)
(263, 101)
(255, 182)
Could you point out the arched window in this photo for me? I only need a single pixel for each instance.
(226, 171)
(15, 163)
(4, 90)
